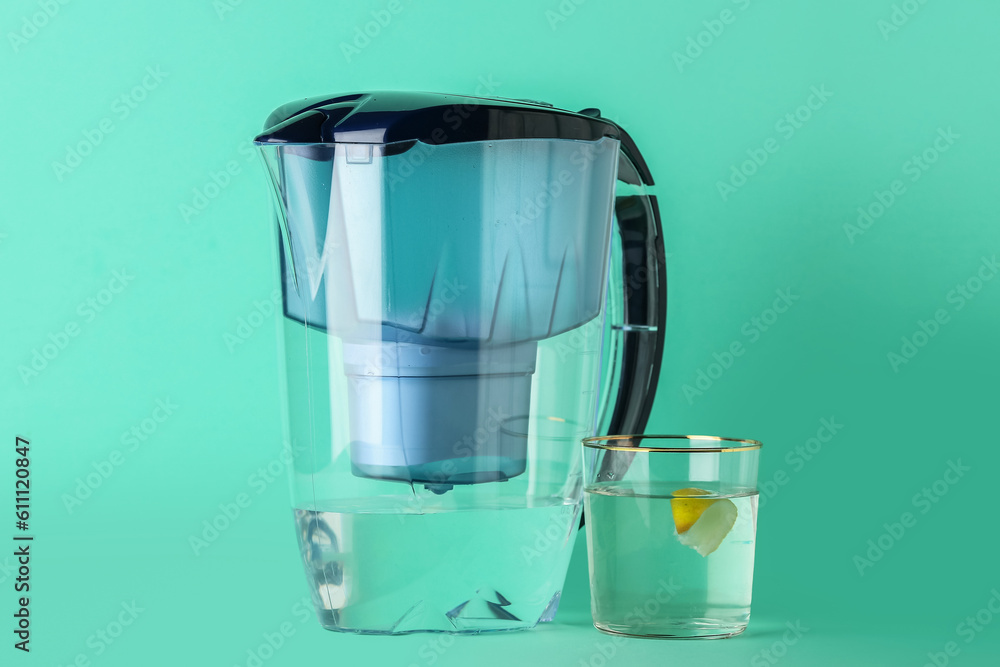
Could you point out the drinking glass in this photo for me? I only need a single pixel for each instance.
(671, 524)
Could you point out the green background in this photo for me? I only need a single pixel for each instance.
(225, 66)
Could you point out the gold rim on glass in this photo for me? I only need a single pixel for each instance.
(740, 445)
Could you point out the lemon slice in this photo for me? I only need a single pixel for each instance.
(702, 523)
(688, 509)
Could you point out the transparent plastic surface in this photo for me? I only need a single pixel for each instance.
(442, 343)
(671, 530)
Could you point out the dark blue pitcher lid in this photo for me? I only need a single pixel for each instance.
(387, 117)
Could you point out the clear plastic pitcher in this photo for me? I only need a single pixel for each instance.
(445, 265)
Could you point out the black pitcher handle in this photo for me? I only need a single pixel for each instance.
(644, 281)
(645, 298)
